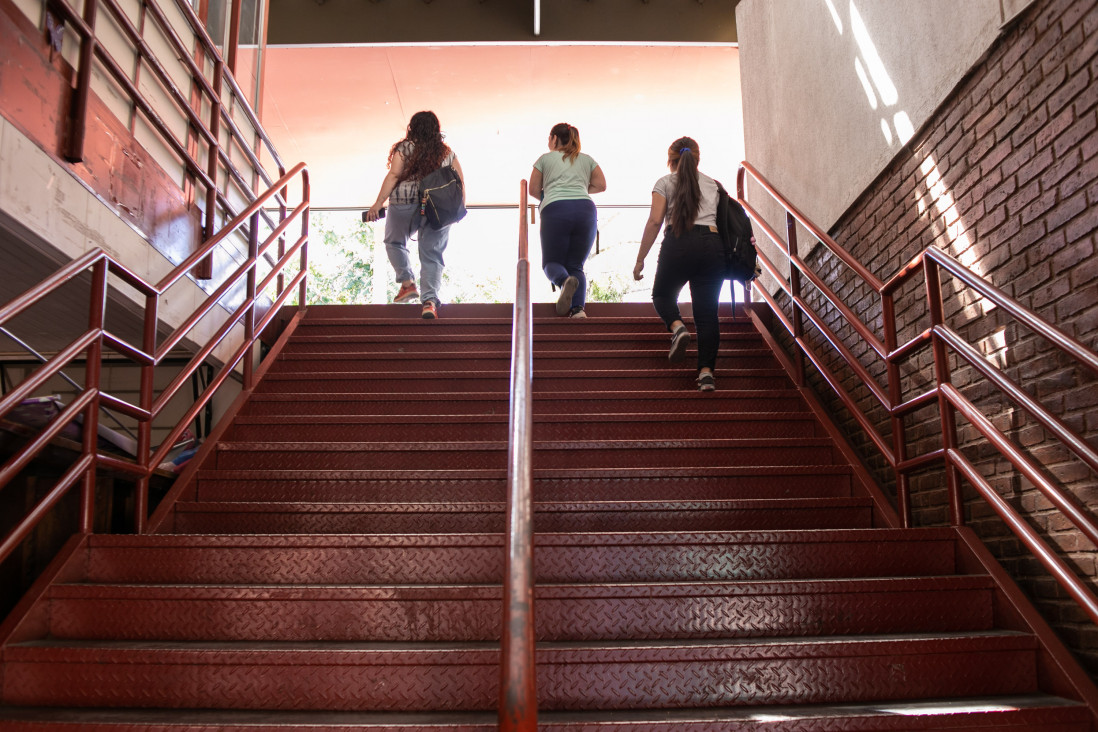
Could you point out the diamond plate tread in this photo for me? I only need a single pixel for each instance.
(410, 518)
(446, 403)
(446, 361)
(386, 382)
(602, 675)
(1032, 712)
(489, 454)
(559, 557)
(563, 612)
(385, 486)
(560, 427)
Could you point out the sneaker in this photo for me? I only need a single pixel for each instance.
(680, 340)
(564, 302)
(706, 382)
(430, 312)
(578, 314)
(407, 293)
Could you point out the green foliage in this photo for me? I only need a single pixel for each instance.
(340, 254)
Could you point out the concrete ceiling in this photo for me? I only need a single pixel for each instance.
(339, 108)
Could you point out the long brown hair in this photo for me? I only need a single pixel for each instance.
(682, 157)
(568, 138)
(428, 152)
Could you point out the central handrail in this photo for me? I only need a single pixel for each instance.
(944, 341)
(518, 709)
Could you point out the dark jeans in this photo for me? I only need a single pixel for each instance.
(567, 235)
(696, 258)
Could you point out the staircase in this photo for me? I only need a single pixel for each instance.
(704, 561)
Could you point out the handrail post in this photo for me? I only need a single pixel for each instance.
(518, 680)
(249, 317)
(92, 380)
(146, 397)
(942, 376)
(895, 397)
(204, 270)
(79, 114)
(791, 250)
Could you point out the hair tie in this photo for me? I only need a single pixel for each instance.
(683, 150)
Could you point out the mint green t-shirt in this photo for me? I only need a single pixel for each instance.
(562, 179)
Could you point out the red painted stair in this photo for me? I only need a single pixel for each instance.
(704, 561)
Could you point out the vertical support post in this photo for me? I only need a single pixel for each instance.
(249, 316)
(942, 377)
(145, 401)
(93, 373)
(305, 193)
(895, 397)
(204, 269)
(795, 295)
(79, 114)
(234, 35)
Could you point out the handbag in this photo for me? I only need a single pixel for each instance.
(442, 197)
(740, 258)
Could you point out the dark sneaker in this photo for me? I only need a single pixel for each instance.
(578, 314)
(680, 341)
(564, 302)
(407, 293)
(430, 312)
(706, 382)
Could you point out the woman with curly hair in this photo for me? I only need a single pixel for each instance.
(691, 251)
(421, 152)
(563, 179)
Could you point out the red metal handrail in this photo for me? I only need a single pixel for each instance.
(943, 340)
(518, 709)
(149, 355)
(219, 155)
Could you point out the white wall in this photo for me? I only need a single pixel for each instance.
(833, 89)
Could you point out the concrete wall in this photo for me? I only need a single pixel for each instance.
(833, 89)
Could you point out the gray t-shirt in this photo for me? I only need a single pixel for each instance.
(563, 179)
(707, 207)
(407, 191)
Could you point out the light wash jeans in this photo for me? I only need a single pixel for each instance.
(402, 221)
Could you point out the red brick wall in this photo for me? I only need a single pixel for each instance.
(1004, 177)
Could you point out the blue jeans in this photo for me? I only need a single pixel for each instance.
(567, 235)
(698, 258)
(402, 221)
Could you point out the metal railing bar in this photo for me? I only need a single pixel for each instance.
(518, 686)
(776, 310)
(909, 270)
(124, 407)
(901, 352)
(1057, 567)
(916, 402)
(32, 296)
(816, 231)
(280, 264)
(59, 489)
(1024, 464)
(845, 353)
(64, 376)
(279, 301)
(848, 315)
(203, 310)
(45, 372)
(1065, 434)
(123, 466)
(914, 463)
(132, 352)
(848, 402)
(1075, 348)
(52, 429)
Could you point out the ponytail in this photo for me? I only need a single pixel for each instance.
(568, 138)
(682, 157)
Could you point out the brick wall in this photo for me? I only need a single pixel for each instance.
(1005, 178)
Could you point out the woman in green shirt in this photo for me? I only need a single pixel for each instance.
(563, 179)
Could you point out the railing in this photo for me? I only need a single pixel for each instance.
(943, 340)
(518, 710)
(149, 354)
(207, 95)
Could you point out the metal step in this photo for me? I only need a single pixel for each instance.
(601, 675)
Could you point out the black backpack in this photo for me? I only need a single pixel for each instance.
(441, 198)
(734, 226)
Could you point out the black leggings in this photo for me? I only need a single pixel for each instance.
(696, 258)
